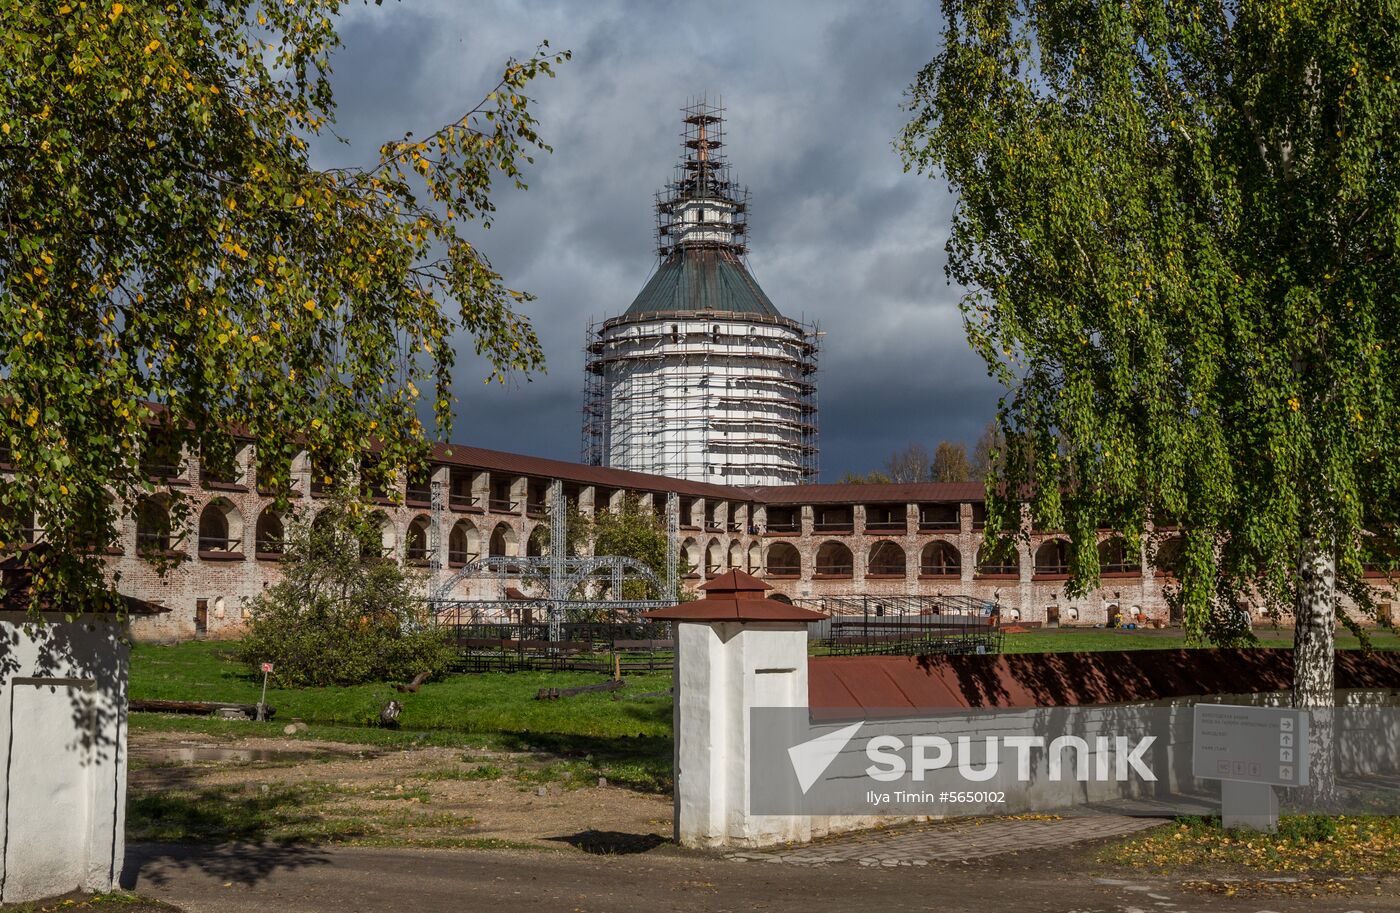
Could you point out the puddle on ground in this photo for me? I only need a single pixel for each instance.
(195, 755)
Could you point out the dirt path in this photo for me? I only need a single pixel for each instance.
(235, 879)
(256, 789)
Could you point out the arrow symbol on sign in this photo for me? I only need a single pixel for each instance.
(811, 758)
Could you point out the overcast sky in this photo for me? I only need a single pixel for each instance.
(839, 234)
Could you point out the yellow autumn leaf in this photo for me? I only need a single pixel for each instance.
(32, 418)
(309, 304)
(116, 11)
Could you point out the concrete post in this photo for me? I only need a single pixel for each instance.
(735, 650)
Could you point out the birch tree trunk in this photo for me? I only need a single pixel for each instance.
(1315, 616)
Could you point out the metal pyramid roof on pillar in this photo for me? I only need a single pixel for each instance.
(702, 279)
(735, 584)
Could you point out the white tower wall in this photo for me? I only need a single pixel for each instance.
(709, 398)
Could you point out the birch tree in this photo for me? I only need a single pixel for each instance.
(1176, 226)
(171, 260)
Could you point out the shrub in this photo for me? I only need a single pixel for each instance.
(342, 615)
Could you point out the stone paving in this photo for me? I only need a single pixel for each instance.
(946, 841)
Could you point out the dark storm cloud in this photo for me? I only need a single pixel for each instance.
(840, 234)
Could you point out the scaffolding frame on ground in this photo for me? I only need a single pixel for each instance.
(908, 625)
(562, 575)
(590, 635)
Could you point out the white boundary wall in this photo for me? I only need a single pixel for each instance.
(724, 669)
(63, 760)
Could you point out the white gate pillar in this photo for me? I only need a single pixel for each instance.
(734, 650)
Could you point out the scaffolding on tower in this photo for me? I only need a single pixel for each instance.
(702, 378)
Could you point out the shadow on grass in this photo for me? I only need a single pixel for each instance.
(254, 831)
(642, 763)
(612, 843)
(281, 813)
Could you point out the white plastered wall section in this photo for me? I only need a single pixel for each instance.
(722, 670)
(62, 755)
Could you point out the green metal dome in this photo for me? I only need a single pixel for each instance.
(702, 279)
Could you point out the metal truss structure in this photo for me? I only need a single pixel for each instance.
(564, 577)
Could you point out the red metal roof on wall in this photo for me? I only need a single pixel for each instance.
(843, 493)
(848, 685)
(858, 493)
(519, 464)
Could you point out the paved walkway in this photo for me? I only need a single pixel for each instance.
(953, 841)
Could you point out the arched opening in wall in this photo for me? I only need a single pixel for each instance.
(1052, 558)
(690, 554)
(535, 545)
(736, 556)
(153, 526)
(1116, 559)
(779, 597)
(415, 541)
(220, 529)
(323, 522)
(1167, 555)
(94, 526)
(271, 534)
(999, 559)
(755, 564)
(887, 559)
(463, 544)
(940, 559)
(784, 560)
(504, 542)
(714, 558)
(834, 559)
(380, 542)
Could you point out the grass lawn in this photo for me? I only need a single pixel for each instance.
(115, 902)
(1304, 844)
(628, 739)
(1068, 640)
(481, 703)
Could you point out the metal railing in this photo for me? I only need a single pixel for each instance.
(904, 625)
(510, 635)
